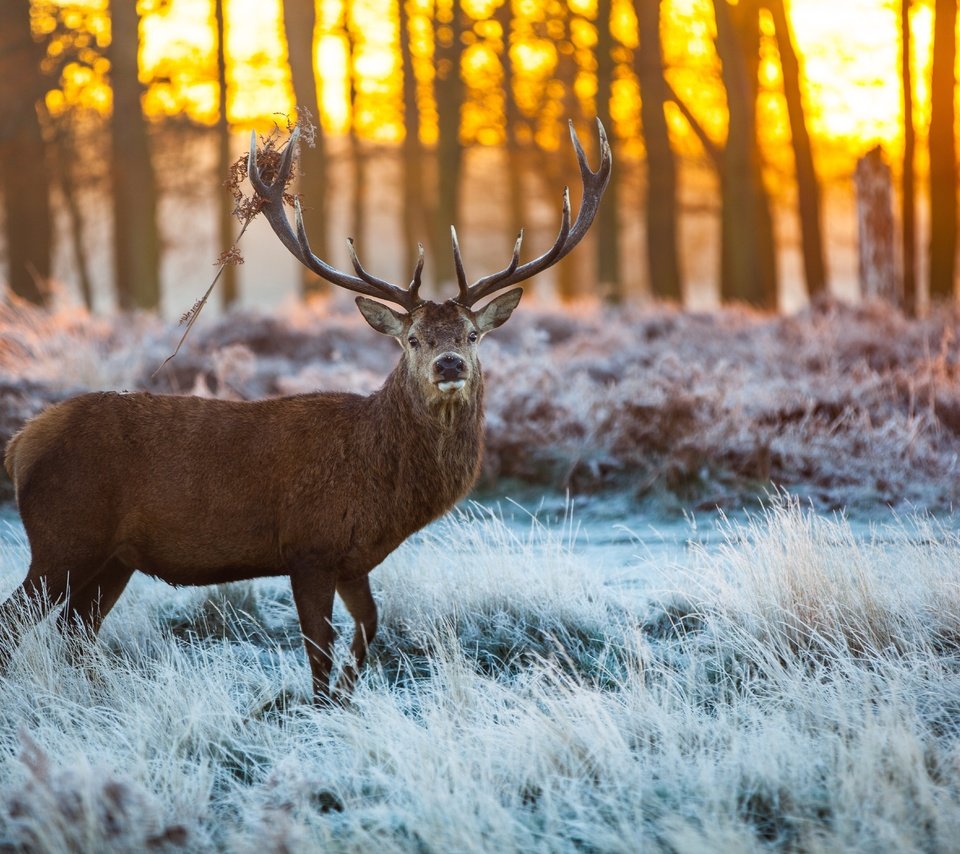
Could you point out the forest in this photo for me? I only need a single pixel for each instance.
(735, 171)
(702, 595)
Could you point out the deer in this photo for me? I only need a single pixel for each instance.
(320, 487)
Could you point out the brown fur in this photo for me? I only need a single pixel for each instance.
(321, 487)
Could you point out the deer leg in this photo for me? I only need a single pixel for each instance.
(89, 605)
(313, 594)
(359, 600)
(42, 590)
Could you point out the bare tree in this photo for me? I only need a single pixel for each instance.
(808, 187)
(569, 281)
(299, 21)
(663, 262)
(65, 164)
(358, 157)
(23, 173)
(412, 214)
(943, 154)
(135, 237)
(748, 262)
(73, 131)
(449, 93)
(908, 193)
(874, 182)
(228, 278)
(608, 221)
(511, 118)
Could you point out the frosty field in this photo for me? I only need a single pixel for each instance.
(787, 681)
(639, 672)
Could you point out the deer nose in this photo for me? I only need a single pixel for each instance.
(449, 366)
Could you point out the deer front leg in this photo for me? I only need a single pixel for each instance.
(313, 592)
(359, 600)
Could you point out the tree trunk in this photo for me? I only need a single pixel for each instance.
(943, 155)
(908, 203)
(663, 263)
(748, 257)
(511, 118)
(26, 190)
(412, 216)
(136, 240)
(567, 273)
(358, 219)
(65, 154)
(448, 91)
(875, 226)
(228, 280)
(299, 24)
(808, 187)
(608, 218)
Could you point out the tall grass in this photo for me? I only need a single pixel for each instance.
(798, 687)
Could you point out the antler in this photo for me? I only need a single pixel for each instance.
(594, 183)
(298, 245)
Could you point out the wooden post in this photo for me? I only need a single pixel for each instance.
(874, 184)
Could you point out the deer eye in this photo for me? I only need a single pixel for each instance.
(472, 337)
(413, 342)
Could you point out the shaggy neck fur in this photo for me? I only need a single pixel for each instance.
(439, 445)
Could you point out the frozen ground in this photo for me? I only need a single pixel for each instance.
(784, 682)
(642, 673)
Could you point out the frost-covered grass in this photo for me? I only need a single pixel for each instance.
(797, 687)
(850, 406)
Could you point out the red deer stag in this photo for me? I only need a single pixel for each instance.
(320, 487)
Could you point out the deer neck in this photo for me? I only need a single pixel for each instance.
(436, 445)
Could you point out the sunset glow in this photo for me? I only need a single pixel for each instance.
(848, 49)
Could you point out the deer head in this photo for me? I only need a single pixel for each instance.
(439, 339)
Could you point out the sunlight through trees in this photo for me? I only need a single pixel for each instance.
(776, 99)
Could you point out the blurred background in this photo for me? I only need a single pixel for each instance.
(766, 151)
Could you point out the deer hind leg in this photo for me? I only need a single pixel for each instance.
(30, 602)
(88, 605)
(359, 600)
(313, 593)
(44, 588)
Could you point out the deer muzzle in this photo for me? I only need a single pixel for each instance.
(449, 372)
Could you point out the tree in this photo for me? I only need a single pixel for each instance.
(448, 92)
(569, 278)
(358, 223)
(135, 237)
(228, 292)
(661, 200)
(23, 173)
(299, 22)
(808, 187)
(875, 230)
(908, 193)
(65, 159)
(412, 216)
(943, 155)
(748, 254)
(511, 118)
(608, 219)
(70, 133)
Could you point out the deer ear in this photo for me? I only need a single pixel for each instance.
(498, 311)
(381, 317)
